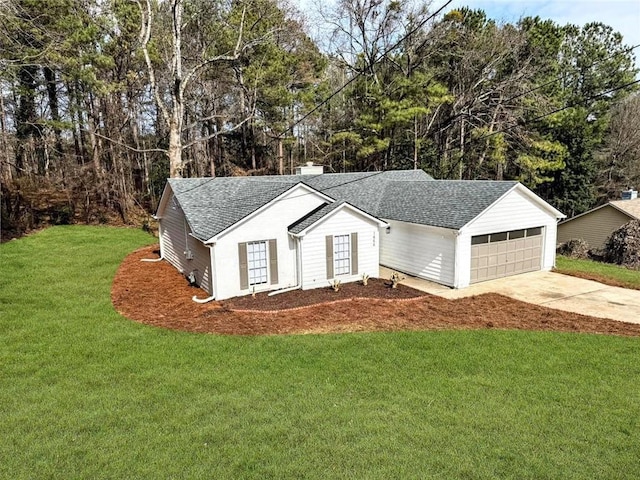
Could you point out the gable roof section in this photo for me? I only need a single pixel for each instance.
(324, 211)
(213, 205)
(631, 208)
(441, 203)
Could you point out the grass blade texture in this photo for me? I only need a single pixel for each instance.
(85, 393)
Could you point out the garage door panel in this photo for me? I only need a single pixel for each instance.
(501, 258)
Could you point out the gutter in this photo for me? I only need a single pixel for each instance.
(298, 268)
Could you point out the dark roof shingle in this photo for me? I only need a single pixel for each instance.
(212, 205)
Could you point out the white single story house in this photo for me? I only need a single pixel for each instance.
(236, 235)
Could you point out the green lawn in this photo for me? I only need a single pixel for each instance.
(85, 393)
(604, 272)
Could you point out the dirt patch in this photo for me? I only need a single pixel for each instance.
(156, 294)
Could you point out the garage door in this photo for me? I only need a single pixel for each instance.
(505, 253)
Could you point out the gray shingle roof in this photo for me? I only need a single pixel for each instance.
(313, 216)
(440, 203)
(212, 205)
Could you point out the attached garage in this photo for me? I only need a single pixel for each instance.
(506, 253)
(458, 232)
(306, 230)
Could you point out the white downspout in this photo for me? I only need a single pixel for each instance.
(203, 300)
(161, 247)
(211, 278)
(298, 270)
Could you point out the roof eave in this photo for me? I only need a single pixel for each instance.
(379, 222)
(532, 196)
(217, 236)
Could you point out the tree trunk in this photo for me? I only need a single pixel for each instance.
(175, 145)
(5, 171)
(280, 157)
(52, 96)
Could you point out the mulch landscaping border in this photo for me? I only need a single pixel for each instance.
(154, 293)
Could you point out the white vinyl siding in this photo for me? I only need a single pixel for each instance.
(515, 211)
(269, 224)
(342, 223)
(419, 250)
(257, 263)
(186, 253)
(341, 255)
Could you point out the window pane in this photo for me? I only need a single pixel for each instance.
(257, 262)
(516, 234)
(532, 232)
(498, 237)
(341, 255)
(480, 239)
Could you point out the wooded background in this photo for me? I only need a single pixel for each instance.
(101, 101)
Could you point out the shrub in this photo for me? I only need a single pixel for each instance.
(623, 246)
(574, 248)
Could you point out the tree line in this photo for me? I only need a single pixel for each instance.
(102, 100)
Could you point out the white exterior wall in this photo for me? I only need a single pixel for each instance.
(175, 240)
(514, 211)
(419, 250)
(343, 222)
(270, 223)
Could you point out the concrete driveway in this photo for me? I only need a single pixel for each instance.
(548, 289)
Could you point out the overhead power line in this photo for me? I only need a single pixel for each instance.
(359, 72)
(553, 112)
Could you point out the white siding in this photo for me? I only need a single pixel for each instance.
(175, 241)
(271, 223)
(513, 212)
(419, 250)
(343, 222)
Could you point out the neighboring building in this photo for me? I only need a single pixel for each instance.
(237, 235)
(595, 226)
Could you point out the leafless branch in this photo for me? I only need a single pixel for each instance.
(130, 148)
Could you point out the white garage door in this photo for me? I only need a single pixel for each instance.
(505, 253)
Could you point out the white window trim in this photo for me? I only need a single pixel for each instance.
(266, 267)
(341, 270)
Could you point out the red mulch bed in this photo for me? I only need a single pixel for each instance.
(156, 294)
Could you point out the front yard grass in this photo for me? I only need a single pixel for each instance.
(85, 393)
(599, 271)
